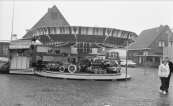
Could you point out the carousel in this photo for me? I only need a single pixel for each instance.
(74, 47)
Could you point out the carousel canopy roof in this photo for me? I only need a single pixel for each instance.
(80, 34)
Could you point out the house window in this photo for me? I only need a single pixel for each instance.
(5, 50)
(161, 43)
(171, 44)
(54, 15)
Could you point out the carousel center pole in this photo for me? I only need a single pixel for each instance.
(126, 57)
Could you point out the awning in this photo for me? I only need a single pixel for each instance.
(82, 34)
(19, 46)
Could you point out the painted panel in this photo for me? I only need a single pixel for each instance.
(24, 62)
(74, 50)
(19, 62)
(42, 49)
(94, 50)
(28, 62)
(100, 32)
(13, 63)
(83, 30)
(48, 58)
(65, 49)
(90, 31)
(54, 58)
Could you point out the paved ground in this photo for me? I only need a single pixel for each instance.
(30, 90)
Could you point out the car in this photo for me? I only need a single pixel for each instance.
(69, 67)
(104, 66)
(130, 63)
(4, 67)
(84, 64)
(114, 66)
(52, 66)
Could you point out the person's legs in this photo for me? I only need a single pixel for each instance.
(40, 65)
(161, 87)
(167, 82)
(164, 85)
(37, 65)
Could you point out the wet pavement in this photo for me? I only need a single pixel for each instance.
(30, 90)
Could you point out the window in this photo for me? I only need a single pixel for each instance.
(161, 43)
(54, 15)
(5, 50)
(171, 44)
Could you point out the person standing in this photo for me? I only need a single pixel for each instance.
(163, 73)
(39, 62)
(171, 70)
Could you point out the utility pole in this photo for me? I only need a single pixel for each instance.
(12, 20)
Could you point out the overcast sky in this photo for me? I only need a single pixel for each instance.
(130, 15)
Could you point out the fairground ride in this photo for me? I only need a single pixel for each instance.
(82, 38)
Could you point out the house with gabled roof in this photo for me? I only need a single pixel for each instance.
(53, 18)
(148, 47)
(22, 51)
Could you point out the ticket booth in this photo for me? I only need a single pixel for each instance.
(20, 54)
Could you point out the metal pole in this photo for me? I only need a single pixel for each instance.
(145, 64)
(11, 36)
(126, 58)
(54, 58)
(168, 39)
(12, 20)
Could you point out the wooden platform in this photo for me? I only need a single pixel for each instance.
(83, 76)
(22, 71)
(73, 76)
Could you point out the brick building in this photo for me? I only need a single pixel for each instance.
(149, 46)
(4, 50)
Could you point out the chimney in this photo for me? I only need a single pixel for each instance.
(160, 25)
(27, 30)
(14, 37)
(48, 9)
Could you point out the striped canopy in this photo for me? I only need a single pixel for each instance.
(19, 46)
(81, 34)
